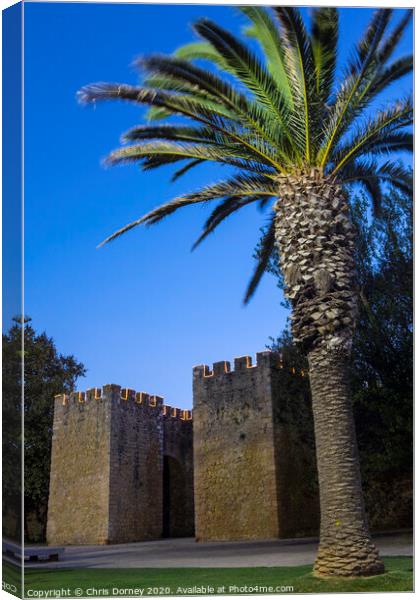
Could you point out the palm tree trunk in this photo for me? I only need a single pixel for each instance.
(345, 548)
(315, 239)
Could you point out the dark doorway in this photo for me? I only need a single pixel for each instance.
(174, 498)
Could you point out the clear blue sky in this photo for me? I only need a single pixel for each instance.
(143, 310)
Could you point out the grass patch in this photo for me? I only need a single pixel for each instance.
(160, 582)
(11, 579)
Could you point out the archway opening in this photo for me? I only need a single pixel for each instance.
(174, 498)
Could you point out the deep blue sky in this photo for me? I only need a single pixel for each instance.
(143, 310)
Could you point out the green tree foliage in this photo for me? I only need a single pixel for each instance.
(12, 431)
(383, 351)
(47, 372)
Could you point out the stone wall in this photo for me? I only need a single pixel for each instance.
(80, 468)
(106, 483)
(235, 471)
(297, 488)
(125, 467)
(136, 467)
(251, 477)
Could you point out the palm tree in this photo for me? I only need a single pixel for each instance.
(297, 143)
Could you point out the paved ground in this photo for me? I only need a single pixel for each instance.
(185, 552)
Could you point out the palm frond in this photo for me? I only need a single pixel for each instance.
(188, 133)
(154, 216)
(264, 31)
(373, 34)
(157, 152)
(387, 75)
(361, 71)
(171, 83)
(372, 175)
(198, 109)
(223, 210)
(266, 250)
(156, 113)
(202, 111)
(388, 45)
(182, 72)
(186, 168)
(375, 81)
(159, 160)
(179, 75)
(374, 133)
(394, 142)
(324, 39)
(246, 67)
(239, 185)
(301, 73)
(254, 186)
(201, 50)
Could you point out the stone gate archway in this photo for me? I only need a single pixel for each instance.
(175, 501)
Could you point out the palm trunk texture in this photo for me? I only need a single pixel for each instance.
(315, 238)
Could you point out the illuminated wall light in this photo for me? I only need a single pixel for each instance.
(164, 410)
(186, 415)
(62, 397)
(81, 397)
(125, 395)
(174, 412)
(153, 401)
(139, 397)
(209, 374)
(97, 393)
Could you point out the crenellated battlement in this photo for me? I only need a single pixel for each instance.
(171, 412)
(111, 390)
(241, 364)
